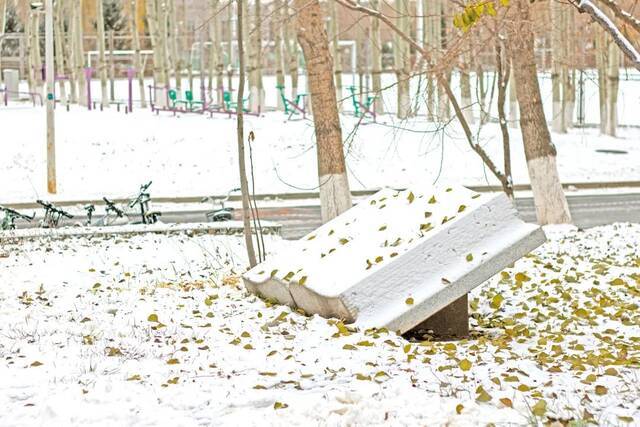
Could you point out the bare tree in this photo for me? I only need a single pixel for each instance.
(376, 60)
(176, 55)
(244, 184)
(59, 51)
(551, 204)
(503, 71)
(78, 50)
(137, 60)
(156, 20)
(335, 197)
(558, 58)
(102, 63)
(334, 30)
(402, 60)
(256, 89)
(3, 24)
(276, 28)
(291, 49)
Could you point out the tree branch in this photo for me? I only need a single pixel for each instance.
(623, 15)
(350, 4)
(603, 20)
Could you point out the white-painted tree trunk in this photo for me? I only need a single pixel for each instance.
(335, 197)
(613, 79)
(551, 203)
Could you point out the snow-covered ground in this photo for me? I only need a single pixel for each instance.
(157, 330)
(112, 154)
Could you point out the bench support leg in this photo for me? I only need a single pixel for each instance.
(452, 322)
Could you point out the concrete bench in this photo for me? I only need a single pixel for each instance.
(400, 260)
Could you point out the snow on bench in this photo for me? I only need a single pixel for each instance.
(399, 257)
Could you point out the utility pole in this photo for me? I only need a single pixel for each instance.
(51, 133)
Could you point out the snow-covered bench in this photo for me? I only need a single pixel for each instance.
(398, 258)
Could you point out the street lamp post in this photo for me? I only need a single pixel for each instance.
(50, 74)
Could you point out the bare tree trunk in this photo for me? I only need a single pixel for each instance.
(503, 70)
(3, 24)
(112, 67)
(601, 65)
(558, 64)
(569, 93)
(292, 55)
(37, 57)
(79, 53)
(443, 110)
(28, 29)
(514, 114)
(569, 89)
(276, 26)
(256, 89)
(59, 42)
(220, 59)
(244, 185)
(213, 50)
(402, 61)
(69, 44)
(551, 203)
(335, 50)
(432, 41)
(102, 63)
(137, 60)
(175, 53)
(335, 197)
(229, 50)
(154, 18)
(163, 14)
(376, 60)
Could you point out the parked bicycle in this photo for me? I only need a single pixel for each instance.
(115, 215)
(9, 218)
(142, 200)
(220, 212)
(52, 215)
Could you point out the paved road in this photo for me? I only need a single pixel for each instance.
(587, 211)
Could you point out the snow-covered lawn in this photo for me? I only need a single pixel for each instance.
(157, 330)
(112, 154)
